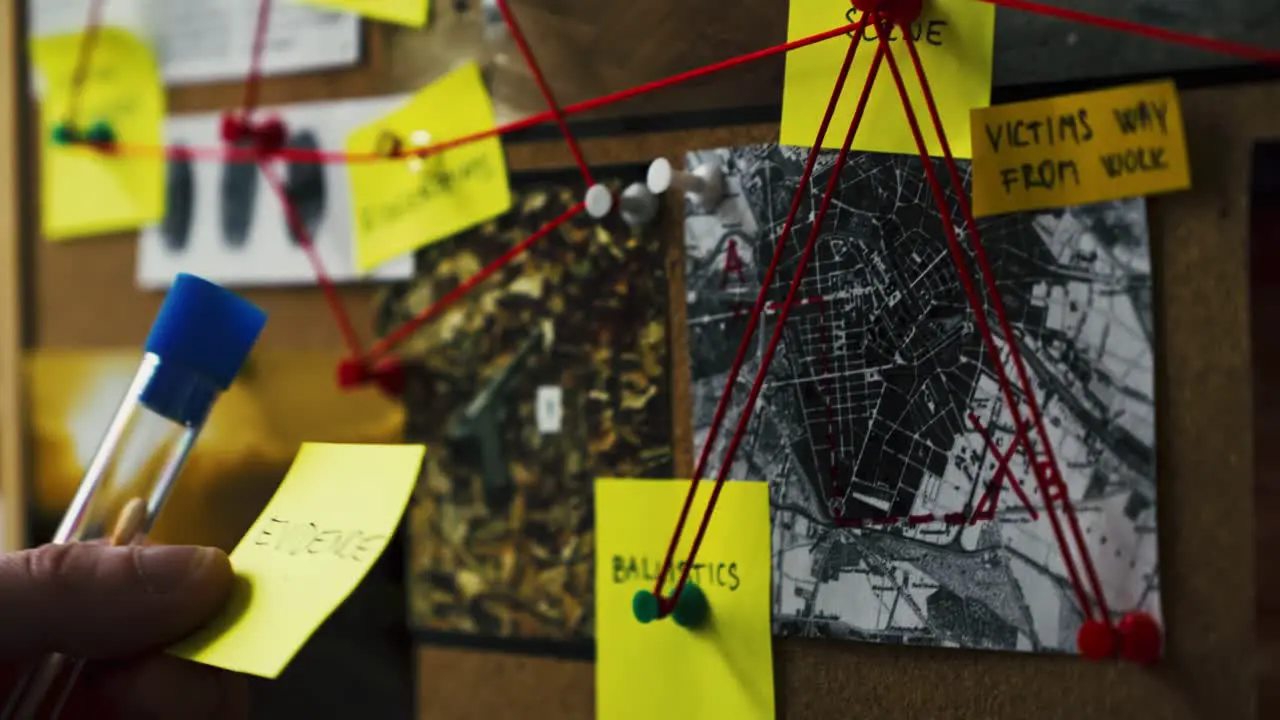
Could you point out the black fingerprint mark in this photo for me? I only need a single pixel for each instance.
(304, 187)
(239, 191)
(179, 205)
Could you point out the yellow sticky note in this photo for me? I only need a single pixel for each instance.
(400, 205)
(722, 670)
(314, 542)
(1076, 149)
(84, 191)
(402, 12)
(954, 39)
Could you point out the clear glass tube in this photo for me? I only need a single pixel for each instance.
(130, 477)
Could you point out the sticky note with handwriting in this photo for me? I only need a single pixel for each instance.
(404, 203)
(721, 670)
(955, 40)
(331, 518)
(85, 191)
(402, 12)
(1074, 149)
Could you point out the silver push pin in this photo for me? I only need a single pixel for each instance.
(599, 201)
(493, 24)
(637, 205)
(704, 184)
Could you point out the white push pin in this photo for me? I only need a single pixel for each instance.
(495, 28)
(599, 201)
(637, 205)
(704, 184)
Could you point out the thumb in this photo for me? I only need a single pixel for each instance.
(97, 601)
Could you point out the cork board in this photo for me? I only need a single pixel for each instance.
(1200, 242)
(1200, 250)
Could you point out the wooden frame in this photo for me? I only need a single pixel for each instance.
(1205, 441)
(12, 467)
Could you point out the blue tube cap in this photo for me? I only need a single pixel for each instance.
(205, 329)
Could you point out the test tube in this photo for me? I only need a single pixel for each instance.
(197, 345)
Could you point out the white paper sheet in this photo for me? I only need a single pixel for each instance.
(200, 41)
(255, 247)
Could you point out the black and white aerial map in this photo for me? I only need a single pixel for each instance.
(900, 513)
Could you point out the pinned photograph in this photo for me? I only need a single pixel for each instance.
(225, 221)
(545, 377)
(906, 509)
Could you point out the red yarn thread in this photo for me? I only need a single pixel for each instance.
(753, 320)
(1047, 473)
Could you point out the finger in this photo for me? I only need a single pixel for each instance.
(165, 687)
(97, 601)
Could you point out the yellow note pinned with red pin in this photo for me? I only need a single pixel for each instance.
(955, 40)
(723, 669)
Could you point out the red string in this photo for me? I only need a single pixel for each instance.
(1002, 471)
(300, 155)
(545, 89)
(84, 56)
(554, 112)
(984, 329)
(753, 320)
(1050, 484)
(1153, 32)
(299, 228)
(253, 80)
(651, 86)
(1006, 327)
(744, 419)
(406, 329)
(984, 510)
(1238, 50)
(557, 114)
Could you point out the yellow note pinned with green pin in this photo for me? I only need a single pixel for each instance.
(955, 41)
(723, 669)
(402, 12)
(328, 522)
(85, 191)
(404, 203)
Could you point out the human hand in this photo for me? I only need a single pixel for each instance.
(119, 607)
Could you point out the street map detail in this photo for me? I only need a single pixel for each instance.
(904, 509)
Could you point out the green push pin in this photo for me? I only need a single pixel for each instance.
(692, 608)
(64, 133)
(645, 606)
(100, 133)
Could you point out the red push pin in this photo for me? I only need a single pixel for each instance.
(898, 12)
(233, 128)
(1140, 638)
(390, 377)
(353, 372)
(268, 136)
(1096, 640)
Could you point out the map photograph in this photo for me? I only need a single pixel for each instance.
(549, 374)
(904, 505)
